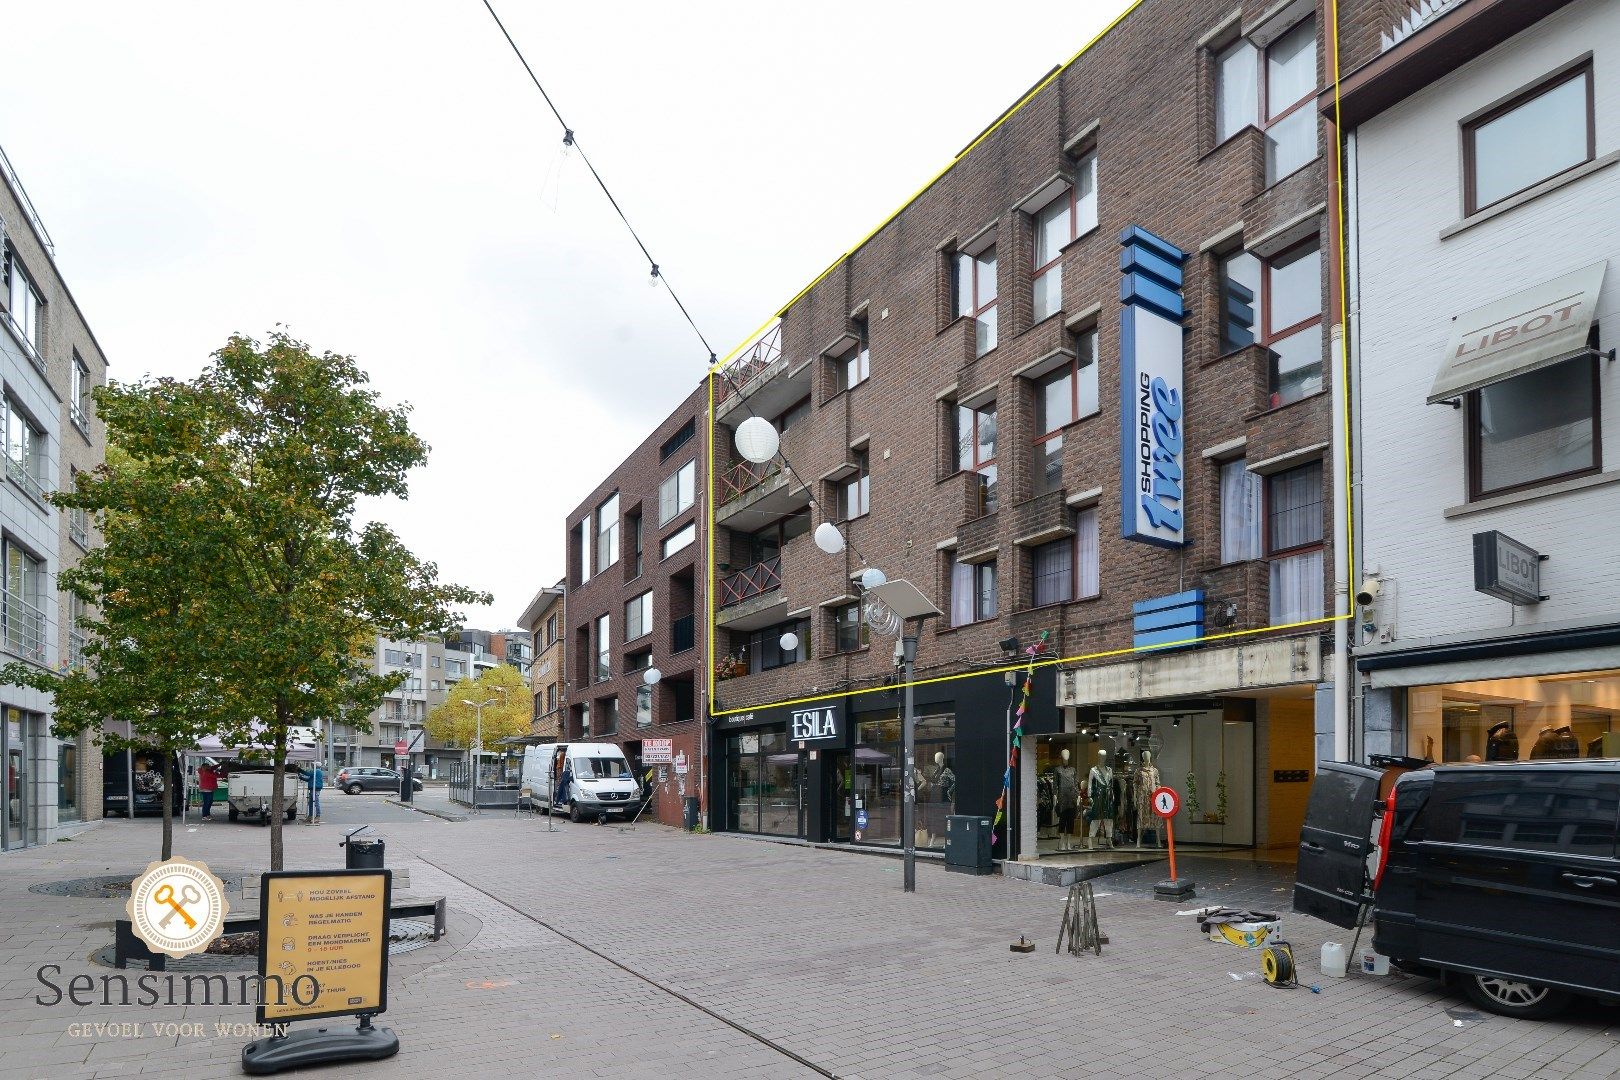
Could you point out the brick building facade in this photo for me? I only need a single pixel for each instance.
(950, 392)
(545, 620)
(634, 594)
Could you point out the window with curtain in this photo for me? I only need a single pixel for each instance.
(1237, 89)
(962, 599)
(1059, 223)
(1294, 543)
(1087, 554)
(1062, 397)
(1240, 512)
(1053, 572)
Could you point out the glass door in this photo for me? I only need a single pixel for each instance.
(16, 797)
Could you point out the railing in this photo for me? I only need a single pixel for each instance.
(79, 527)
(744, 475)
(756, 358)
(24, 479)
(757, 579)
(683, 633)
(22, 339)
(76, 642)
(27, 203)
(24, 627)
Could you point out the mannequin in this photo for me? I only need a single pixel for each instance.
(944, 779)
(1147, 779)
(1100, 812)
(1068, 801)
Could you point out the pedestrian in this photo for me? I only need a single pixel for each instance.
(208, 784)
(317, 780)
(563, 785)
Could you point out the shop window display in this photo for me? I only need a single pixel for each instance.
(1521, 719)
(766, 784)
(877, 776)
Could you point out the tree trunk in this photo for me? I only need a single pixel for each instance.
(168, 804)
(277, 776)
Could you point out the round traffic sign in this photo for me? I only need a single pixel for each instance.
(399, 746)
(1165, 802)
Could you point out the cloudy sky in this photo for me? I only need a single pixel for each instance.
(381, 176)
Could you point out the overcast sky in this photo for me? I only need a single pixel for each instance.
(382, 177)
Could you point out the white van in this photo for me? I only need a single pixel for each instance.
(600, 780)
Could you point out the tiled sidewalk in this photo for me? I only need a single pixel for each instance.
(593, 951)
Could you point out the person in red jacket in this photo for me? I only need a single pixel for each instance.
(207, 783)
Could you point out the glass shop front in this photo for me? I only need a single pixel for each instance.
(1573, 715)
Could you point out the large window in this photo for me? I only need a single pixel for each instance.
(1274, 90)
(765, 651)
(975, 449)
(24, 616)
(855, 492)
(677, 492)
(850, 630)
(874, 781)
(638, 616)
(764, 783)
(855, 363)
(607, 713)
(973, 592)
(79, 392)
(1240, 512)
(1058, 224)
(1540, 133)
(1237, 103)
(26, 460)
(1566, 715)
(1294, 543)
(604, 648)
(1291, 322)
(1062, 397)
(1534, 428)
(607, 533)
(24, 301)
(975, 287)
(1067, 569)
(679, 540)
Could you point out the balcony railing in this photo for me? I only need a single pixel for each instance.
(79, 527)
(757, 579)
(755, 359)
(743, 476)
(683, 633)
(24, 479)
(76, 643)
(24, 627)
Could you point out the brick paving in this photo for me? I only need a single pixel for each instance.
(596, 952)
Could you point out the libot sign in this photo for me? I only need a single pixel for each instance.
(1153, 497)
(1507, 569)
(821, 723)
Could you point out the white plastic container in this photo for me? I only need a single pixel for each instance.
(1374, 963)
(1333, 960)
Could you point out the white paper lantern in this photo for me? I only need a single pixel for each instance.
(651, 676)
(872, 577)
(757, 440)
(828, 538)
(790, 642)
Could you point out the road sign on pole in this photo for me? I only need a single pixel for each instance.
(1166, 804)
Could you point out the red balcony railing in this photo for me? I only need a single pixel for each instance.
(759, 578)
(744, 475)
(748, 363)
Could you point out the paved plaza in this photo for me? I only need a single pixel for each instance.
(590, 951)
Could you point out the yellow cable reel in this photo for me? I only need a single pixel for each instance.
(1277, 964)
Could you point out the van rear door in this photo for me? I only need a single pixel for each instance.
(1331, 879)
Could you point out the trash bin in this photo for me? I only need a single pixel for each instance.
(967, 845)
(362, 852)
(407, 783)
(689, 817)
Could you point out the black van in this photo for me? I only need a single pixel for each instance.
(1504, 877)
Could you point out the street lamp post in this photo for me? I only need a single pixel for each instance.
(478, 740)
(913, 608)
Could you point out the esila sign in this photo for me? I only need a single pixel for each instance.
(1151, 444)
(817, 724)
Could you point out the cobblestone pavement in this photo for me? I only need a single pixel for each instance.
(595, 951)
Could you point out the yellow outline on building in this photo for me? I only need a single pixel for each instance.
(1029, 665)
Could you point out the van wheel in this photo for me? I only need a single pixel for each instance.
(1509, 997)
(573, 812)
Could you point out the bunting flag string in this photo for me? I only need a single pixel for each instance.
(1017, 737)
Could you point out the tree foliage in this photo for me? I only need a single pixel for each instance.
(507, 713)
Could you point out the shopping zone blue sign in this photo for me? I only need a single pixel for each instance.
(1152, 452)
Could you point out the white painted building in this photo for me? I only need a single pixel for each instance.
(1483, 232)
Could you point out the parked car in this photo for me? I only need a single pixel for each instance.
(1502, 877)
(354, 779)
(601, 782)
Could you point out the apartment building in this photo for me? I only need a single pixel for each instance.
(1484, 246)
(544, 619)
(1078, 392)
(49, 363)
(635, 587)
(431, 668)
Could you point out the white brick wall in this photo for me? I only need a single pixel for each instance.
(1411, 285)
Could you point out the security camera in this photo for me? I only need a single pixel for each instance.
(1370, 588)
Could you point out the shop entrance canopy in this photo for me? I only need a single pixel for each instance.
(1516, 334)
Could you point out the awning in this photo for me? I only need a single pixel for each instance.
(1532, 329)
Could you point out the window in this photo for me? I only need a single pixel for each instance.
(78, 517)
(676, 493)
(767, 543)
(579, 549)
(395, 657)
(551, 698)
(1290, 87)
(25, 452)
(1237, 103)
(1053, 572)
(679, 540)
(1087, 554)
(455, 667)
(1240, 512)
(974, 282)
(638, 616)
(1291, 322)
(792, 414)
(433, 661)
(1534, 428)
(976, 449)
(79, 392)
(849, 629)
(76, 638)
(1057, 224)
(644, 706)
(1566, 813)
(1540, 133)
(607, 533)
(551, 632)
(24, 303)
(1062, 397)
(765, 650)
(633, 565)
(1294, 542)
(973, 592)
(855, 493)
(607, 710)
(604, 648)
(677, 440)
(854, 364)
(436, 684)
(1238, 277)
(23, 617)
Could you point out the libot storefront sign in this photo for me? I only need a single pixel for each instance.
(1151, 450)
(817, 723)
(1507, 569)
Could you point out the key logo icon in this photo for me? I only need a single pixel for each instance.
(177, 907)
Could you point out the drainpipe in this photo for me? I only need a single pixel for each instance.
(1341, 456)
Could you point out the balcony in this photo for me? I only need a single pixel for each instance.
(762, 375)
(752, 598)
(767, 490)
(683, 633)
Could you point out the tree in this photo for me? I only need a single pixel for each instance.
(274, 447)
(506, 714)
